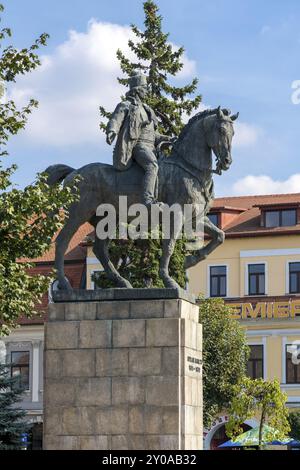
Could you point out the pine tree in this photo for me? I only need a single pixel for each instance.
(158, 59)
(12, 424)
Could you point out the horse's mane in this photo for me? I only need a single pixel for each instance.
(196, 117)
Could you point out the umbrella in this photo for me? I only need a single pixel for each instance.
(251, 438)
(289, 441)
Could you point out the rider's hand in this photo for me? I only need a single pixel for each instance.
(110, 137)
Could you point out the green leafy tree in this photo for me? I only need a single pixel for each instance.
(12, 422)
(294, 422)
(225, 354)
(30, 217)
(156, 56)
(138, 261)
(253, 397)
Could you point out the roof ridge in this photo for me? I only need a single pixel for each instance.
(258, 196)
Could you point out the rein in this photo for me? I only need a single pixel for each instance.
(188, 166)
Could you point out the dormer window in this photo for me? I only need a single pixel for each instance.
(222, 216)
(280, 218)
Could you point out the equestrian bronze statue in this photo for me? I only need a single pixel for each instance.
(183, 177)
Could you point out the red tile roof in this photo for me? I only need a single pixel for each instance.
(248, 222)
(74, 271)
(75, 267)
(74, 252)
(249, 201)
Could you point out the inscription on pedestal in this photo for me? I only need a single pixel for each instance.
(194, 364)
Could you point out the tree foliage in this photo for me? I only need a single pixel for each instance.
(263, 397)
(138, 261)
(12, 423)
(156, 56)
(28, 218)
(294, 422)
(225, 354)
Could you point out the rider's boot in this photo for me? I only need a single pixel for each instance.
(149, 189)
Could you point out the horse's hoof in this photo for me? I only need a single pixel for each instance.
(59, 286)
(124, 284)
(171, 284)
(64, 285)
(65, 288)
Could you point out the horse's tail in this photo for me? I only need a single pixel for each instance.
(57, 173)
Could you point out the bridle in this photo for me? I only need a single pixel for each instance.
(218, 170)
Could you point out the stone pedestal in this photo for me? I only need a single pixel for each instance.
(123, 373)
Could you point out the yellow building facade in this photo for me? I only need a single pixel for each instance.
(273, 319)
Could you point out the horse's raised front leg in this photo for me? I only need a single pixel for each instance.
(101, 251)
(217, 238)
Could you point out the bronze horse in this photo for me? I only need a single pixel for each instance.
(185, 177)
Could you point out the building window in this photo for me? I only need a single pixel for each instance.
(214, 218)
(20, 368)
(292, 363)
(255, 365)
(294, 278)
(283, 218)
(256, 275)
(218, 281)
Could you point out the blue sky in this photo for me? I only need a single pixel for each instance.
(244, 52)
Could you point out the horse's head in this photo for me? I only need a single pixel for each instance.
(219, 133)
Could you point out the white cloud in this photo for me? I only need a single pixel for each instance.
(246, 134)
(264, 184)
(189, 68)
(73, 81)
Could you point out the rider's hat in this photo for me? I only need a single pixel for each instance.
(137, 81)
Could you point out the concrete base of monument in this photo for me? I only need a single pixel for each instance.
(123, 373)
(83, 295)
